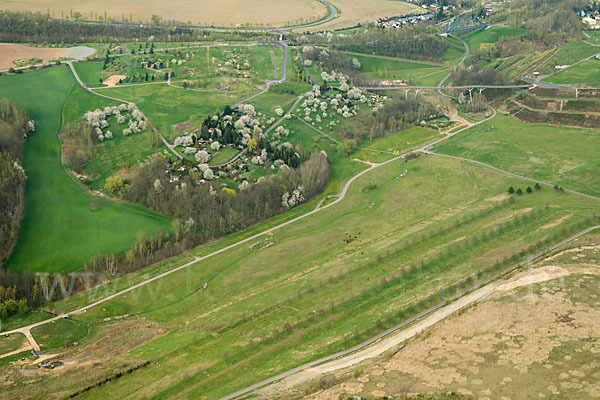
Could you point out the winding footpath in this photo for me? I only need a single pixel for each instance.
(84, 86)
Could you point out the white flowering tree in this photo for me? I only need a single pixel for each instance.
(202, 157)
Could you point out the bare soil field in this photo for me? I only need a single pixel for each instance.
(354, 11)
(533, 337)
(10, 52)
(205, 12)
(113, 80)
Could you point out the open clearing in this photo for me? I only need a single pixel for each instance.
(355, 11)
(206, 12)
(363, 274)
(61, 229)
(10, 52)
(554, 154)
(533, 338)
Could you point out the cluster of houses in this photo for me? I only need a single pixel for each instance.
(591, 20)
(399, 22)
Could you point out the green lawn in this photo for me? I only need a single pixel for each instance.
(387, 68)
(90, 72)
(493, 34)
(585, 72)
(60, 232)
(223, 155)
(559, 155)
(58, 333)
(166, 106)
(11, 343)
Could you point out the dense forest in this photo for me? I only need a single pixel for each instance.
(204, 211)
(419, 42)
(398, 114)
(14, 127)
(17, 291)
(545, 19)
(36, 27)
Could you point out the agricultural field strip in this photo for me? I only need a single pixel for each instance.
(331, 9)
(347, 358)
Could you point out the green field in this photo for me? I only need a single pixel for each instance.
(60, 231)
(11, 343)
(558, 155)
(454, 52)
(383, 149)
(58, 333)
(387, 68)
(586, 72)
(493, 34)
(166, 106)
(390, 243)
(223, 155)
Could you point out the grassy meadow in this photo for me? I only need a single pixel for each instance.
(493, 34)
(374, 258)
(61, 230)
(554, 154)
(388, 68)
(166, 106)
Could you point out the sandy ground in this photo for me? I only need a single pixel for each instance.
(10, 52)
(113, 80)
(412, 363)
(78, 52)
